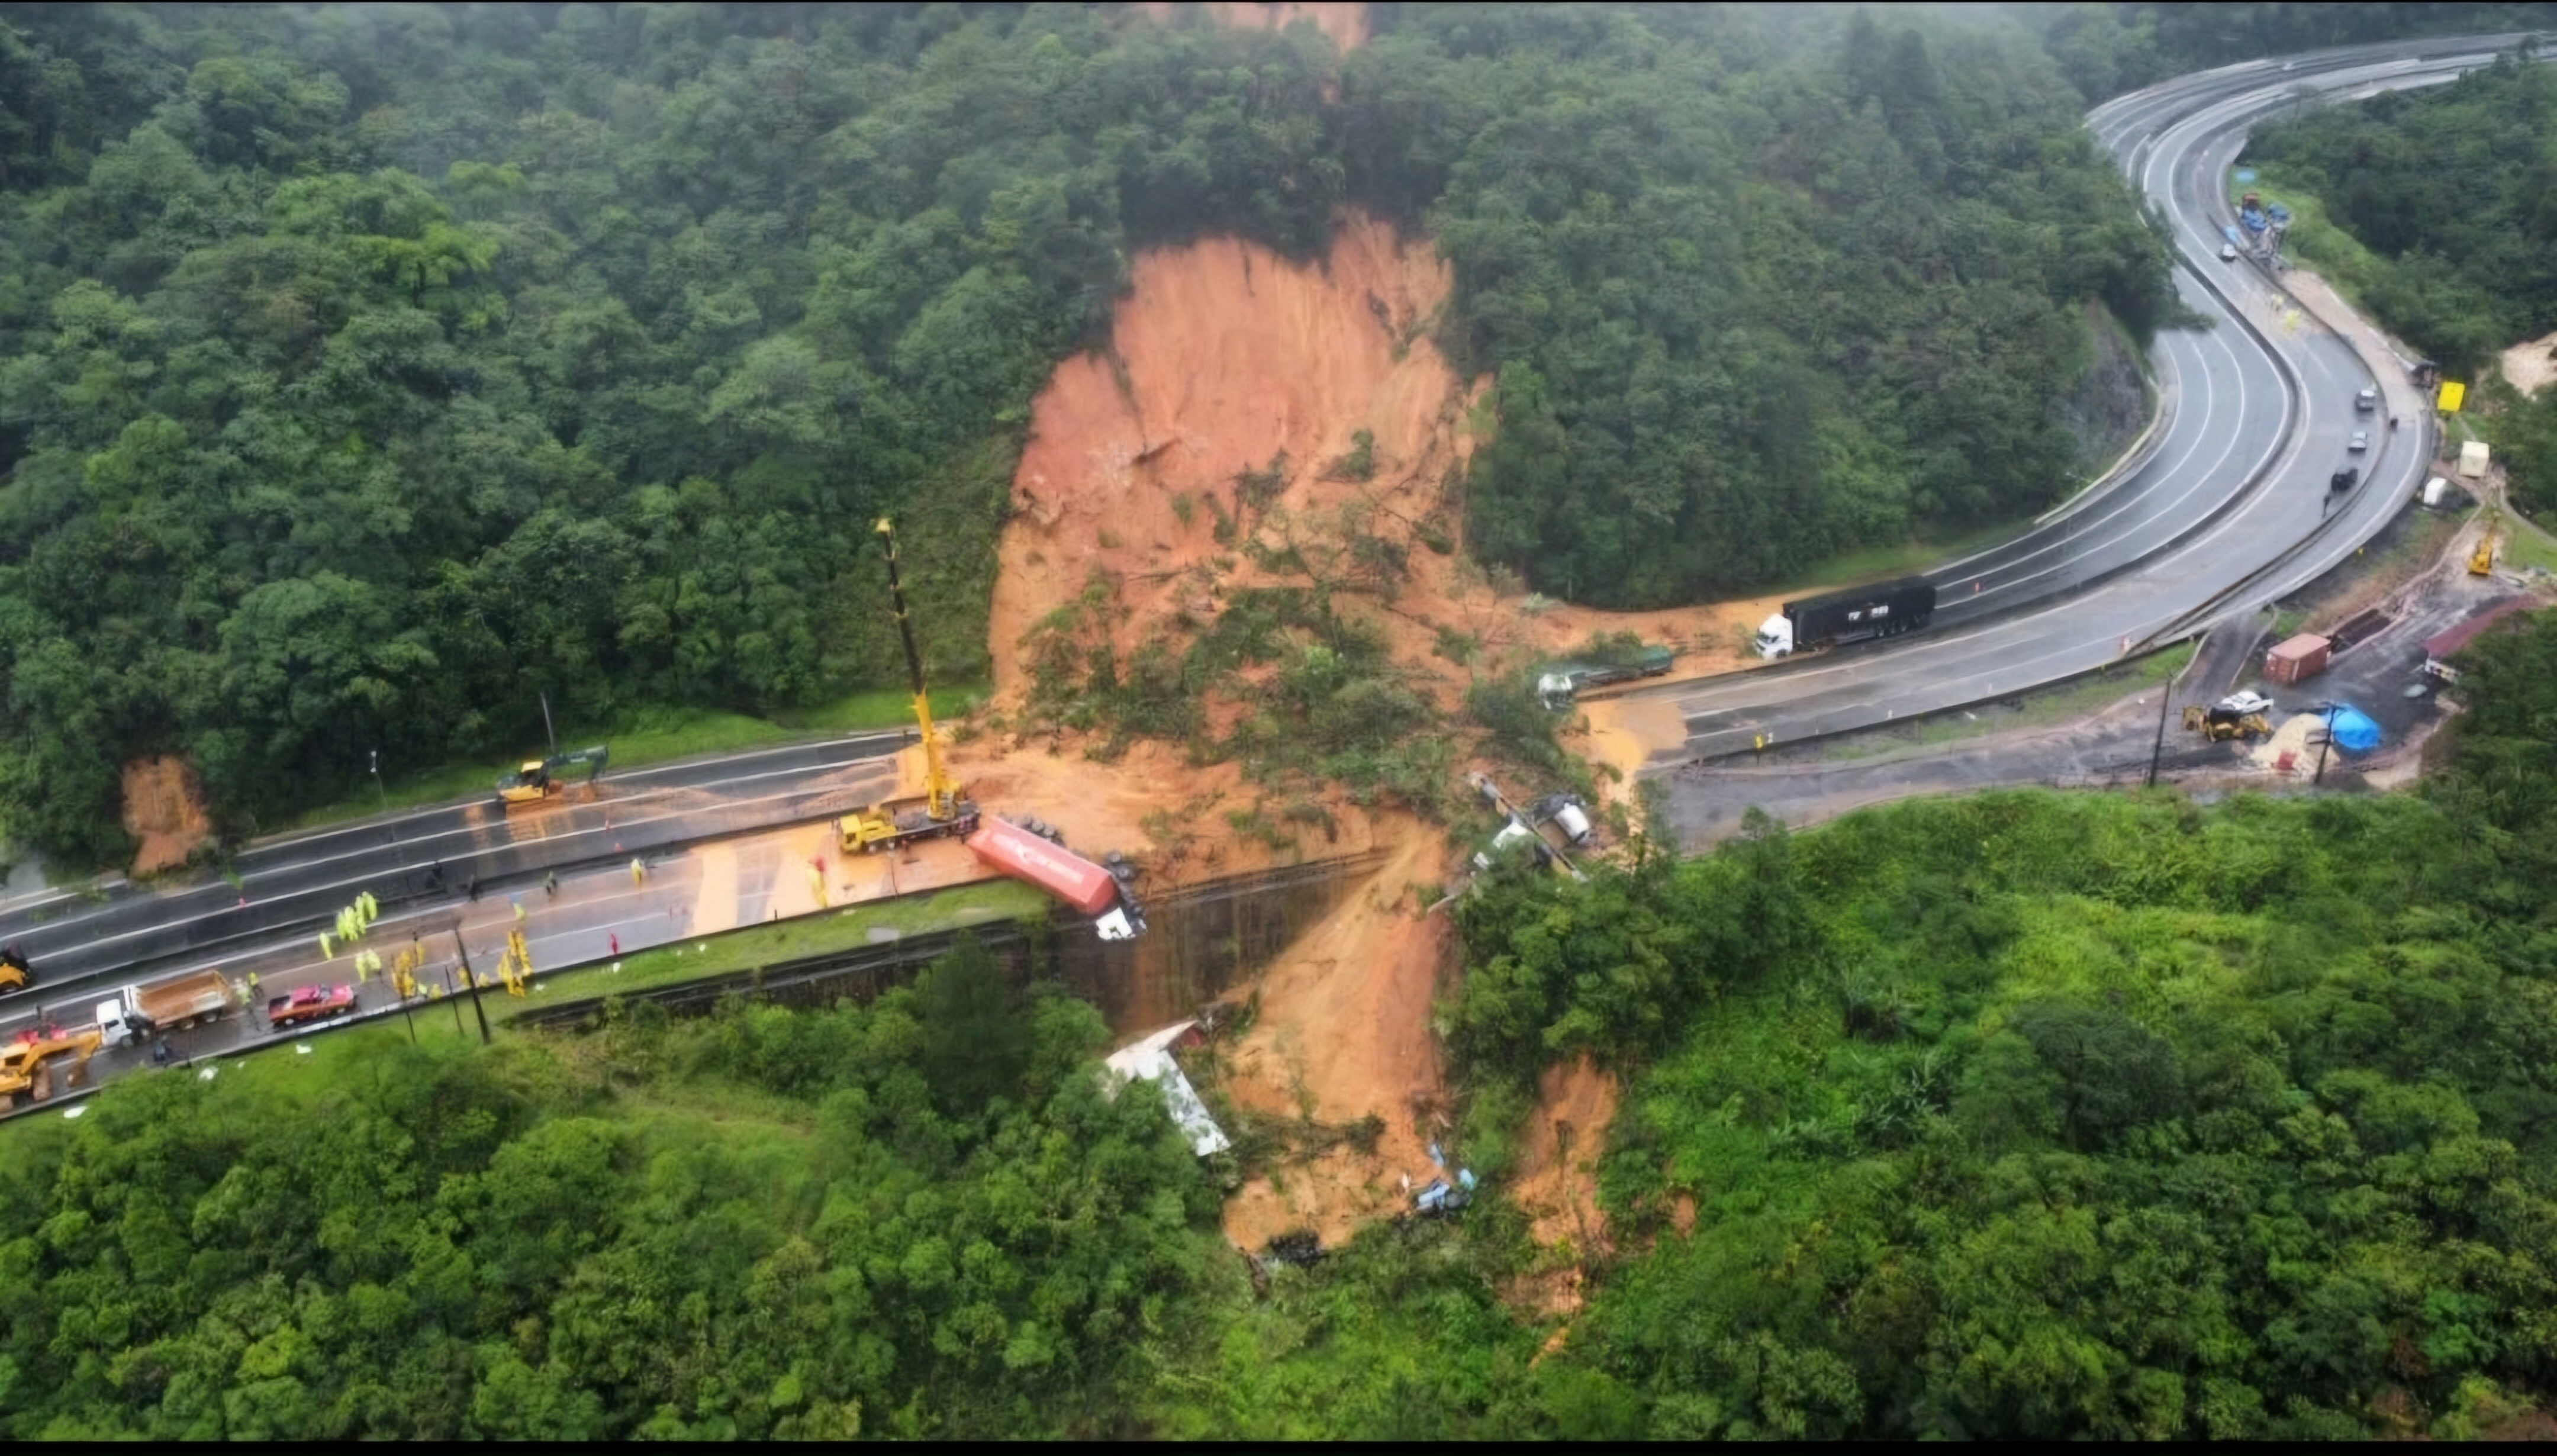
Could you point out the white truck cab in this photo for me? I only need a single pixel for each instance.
(1775, 639)
(120, 1020)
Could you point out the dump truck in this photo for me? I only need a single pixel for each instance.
(28, 1062)
(538, 781)
(1886, 609)
(1089, 889)
(308, 1004)
(940, 809)
(1559, 684)
(174, 1004)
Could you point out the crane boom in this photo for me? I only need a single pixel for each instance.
(941, 795)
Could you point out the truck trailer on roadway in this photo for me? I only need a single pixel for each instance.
(180, 1002)
(1562, 683)
(1885, 609)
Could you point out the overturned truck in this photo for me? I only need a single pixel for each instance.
(1043, 859)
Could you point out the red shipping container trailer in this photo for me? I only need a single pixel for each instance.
(1069, 877)
(2297, 660)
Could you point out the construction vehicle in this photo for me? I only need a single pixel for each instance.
(2481, 560)
(180, 1002)
(1841, 617)
(539, 781)
(938, 810)
(15, 972)
(26, 1063)
(2220, 723)
(308, 1004)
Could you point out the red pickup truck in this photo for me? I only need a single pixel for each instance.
(309, 1003)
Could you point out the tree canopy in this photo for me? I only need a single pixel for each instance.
(2022, 1115)
(366, 370)
(2445, 197)
(2040, 1116)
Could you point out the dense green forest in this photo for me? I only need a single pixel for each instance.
(2025, 1114)
(2453, 191)
(370, 368)
(366, 369)
(2454, 188)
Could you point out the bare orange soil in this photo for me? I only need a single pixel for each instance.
(1223, 357)
(164, 808)
(1347, 25)
(1343, 1033)
(1557, 1183)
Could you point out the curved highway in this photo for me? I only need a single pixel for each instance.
(2230, 510)
(2227, 510)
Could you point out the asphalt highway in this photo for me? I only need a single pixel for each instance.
(2230, 509)
(298, 883)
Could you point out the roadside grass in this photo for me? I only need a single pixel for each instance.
(283, 1081)
(2314, 241)
(646, 736)
(2047, 708)
(1875, 563)
(870, 923)
(559, 1072)
(2526, 548)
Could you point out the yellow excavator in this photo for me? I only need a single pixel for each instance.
(540, 779)
(938, 810)
(33, 1056)
(2481, 561)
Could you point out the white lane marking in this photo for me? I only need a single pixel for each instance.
(293, 840)
(468, 832)
(349, 886)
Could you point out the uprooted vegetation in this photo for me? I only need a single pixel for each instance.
(1273, 657)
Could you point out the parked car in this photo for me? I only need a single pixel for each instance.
(2228, 252)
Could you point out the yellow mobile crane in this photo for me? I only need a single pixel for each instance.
(939, 810)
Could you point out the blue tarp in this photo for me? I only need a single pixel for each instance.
(2354, 732)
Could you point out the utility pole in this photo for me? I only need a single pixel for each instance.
(475, 1008)
(2167, 697)
(2325, 743)
(549, 732)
